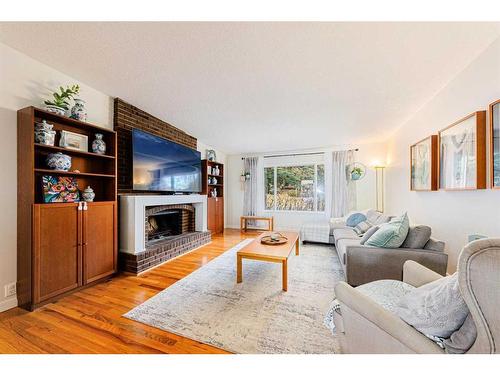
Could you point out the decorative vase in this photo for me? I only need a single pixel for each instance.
(55, 109)
(59, 161)
(44, 134)
(215, 171)
(98, 145)
(88, 194)
(78, 111)
(211, 155)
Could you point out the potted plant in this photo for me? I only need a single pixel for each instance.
(356, 173)
(60, 103)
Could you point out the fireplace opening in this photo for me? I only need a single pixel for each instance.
(163, 224)
(168, 222)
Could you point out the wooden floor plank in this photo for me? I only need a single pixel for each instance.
(91, 321)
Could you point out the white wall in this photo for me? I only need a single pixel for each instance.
(369, 155)
(452, 215)
(25, 82)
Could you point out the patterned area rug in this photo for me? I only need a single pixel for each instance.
(255, 316)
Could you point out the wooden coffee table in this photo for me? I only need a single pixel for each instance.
(268, 253)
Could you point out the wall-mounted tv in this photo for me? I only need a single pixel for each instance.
(162, 165)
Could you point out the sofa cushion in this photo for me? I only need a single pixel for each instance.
(342, 245)
(417, 237)
(436, 308)
(392, 234)
(344, 233)
(354, 219)
(368, 234)
(387, 293)
(435, 245)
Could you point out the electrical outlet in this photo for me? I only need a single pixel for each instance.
(10, 289)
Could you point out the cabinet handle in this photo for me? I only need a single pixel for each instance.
(85, 206)
(79, 206)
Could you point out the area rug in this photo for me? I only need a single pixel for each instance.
(255, 316)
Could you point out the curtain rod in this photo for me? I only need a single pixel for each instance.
(310, 153)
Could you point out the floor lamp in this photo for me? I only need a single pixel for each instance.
(379, 188)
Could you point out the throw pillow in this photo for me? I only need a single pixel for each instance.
(362, 227)
(354, 219)
(417, 237)
(434, 245)
(462, 340)
(391, 234)
(435, 309)
(368, 234)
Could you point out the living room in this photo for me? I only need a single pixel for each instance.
(250, 188)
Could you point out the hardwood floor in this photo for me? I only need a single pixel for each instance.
(90, 321)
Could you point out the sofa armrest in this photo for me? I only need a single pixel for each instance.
(417, 275)
(378, 318)
(368, 263)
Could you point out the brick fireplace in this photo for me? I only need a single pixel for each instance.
(166, 221)
(160, 228)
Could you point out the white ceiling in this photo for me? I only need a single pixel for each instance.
(253, 87)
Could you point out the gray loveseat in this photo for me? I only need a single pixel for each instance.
(363, 264)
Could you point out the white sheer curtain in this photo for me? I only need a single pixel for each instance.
(343, 188)
(251, 188)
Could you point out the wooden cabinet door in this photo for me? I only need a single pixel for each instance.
(99, 240)
(212, 215)
(56, 249)
(220, 215)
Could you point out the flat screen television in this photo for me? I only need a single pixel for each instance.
(162, 165)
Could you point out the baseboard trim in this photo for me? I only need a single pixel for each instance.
(8, 304)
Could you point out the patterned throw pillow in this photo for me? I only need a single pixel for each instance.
(392, 234)
(362, 227)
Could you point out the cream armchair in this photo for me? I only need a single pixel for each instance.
(366, 327)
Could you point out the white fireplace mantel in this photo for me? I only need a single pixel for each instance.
(133, 211)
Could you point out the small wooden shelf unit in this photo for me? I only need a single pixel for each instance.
(215, 208)
(62, 247)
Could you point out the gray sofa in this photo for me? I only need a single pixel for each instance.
(363, 264)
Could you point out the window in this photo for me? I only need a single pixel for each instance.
(295, 188)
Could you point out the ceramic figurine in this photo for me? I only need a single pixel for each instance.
(215, 170)
(44, 134)
(59, 161)
(88, 194)
(78, 111)
(99, 146)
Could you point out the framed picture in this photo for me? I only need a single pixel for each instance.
(495, 144)
(74, 141)
(424, 164)
(462, 154)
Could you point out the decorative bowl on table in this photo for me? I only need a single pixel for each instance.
(274, 238)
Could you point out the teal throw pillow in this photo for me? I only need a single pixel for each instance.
(392, 234)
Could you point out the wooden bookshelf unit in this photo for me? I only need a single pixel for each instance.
(63, 247)
(215, 204)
